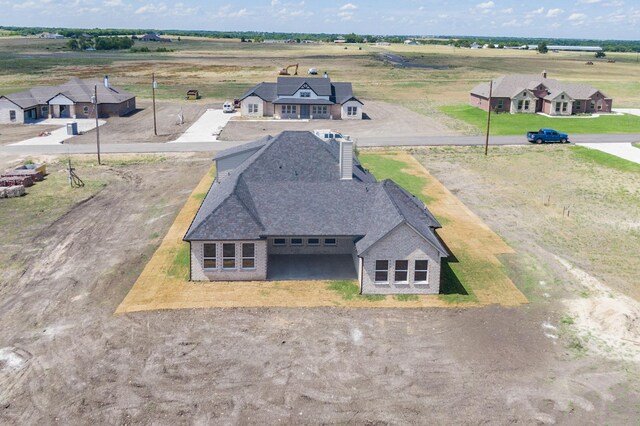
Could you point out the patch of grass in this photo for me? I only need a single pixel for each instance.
(384, 167)
(200, 196)
(154, 235)
(135, 161)
(604, 159)
(452, 274)
(406, 297)
(180, 266)
(637, 145)
(567, 320)
(520, 124)
(349, 290)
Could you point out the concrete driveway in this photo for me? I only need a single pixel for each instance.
(58, 136)
(208, 126)
(311, 267)
(622, 150)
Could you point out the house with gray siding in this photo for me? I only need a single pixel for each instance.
(530, 94)
(72, 99)
(302, 98)
(280, 204)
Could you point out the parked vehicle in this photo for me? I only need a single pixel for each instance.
(547, 135)
(313, 71)
(228, 107)
(326, 135)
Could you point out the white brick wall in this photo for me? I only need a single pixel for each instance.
(198, 273)
(403, 243)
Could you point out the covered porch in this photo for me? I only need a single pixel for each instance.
(304, 267)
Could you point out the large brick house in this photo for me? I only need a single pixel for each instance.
(530, 94)
(302, 98)
(296, 202)
(72, 99)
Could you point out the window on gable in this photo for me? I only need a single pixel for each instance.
(253, 108)
(228, 256)
(421, 271)
(12, 115)
(520, 103)
(402, 271)
(248, 256)
(210, 256)
(305, 94)
(382, 271)
(352, 110)
(526, 105)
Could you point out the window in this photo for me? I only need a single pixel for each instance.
(382, 271)
(500, 104)
(520, 103)
(296, 241)
(564, 106)
(228, 256)
(289, 109)
(319, 110)
(210, 256)
(593, 105)
(279, 241)
(578, 105)
(45, 110)
(305, 94)
(12, 115)
(248, 256)
(557, 106)
(313, 241)
(253, 108)
(526, 105)
(402, 271)
(329, 241)
(421, 271)
(85, 110)
(599, 105)
(352, 110)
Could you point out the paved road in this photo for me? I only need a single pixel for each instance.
(363, 142)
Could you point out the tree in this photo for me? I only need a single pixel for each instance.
(600, 54)
(73, 44)
(542, 48)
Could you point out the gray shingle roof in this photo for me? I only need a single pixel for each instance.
(302, 101)
(283, 90)
(291, 187)
(75, 89)
(509, 85)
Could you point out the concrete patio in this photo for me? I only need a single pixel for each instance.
(311, 267)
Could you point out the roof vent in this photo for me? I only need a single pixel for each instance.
(106, 81)
(325, 75)
(544, 74)
(346, 159)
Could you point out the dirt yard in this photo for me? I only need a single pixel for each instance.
(65, 358)
(384, 119)
(11, 133)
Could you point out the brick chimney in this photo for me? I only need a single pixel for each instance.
(346, 159)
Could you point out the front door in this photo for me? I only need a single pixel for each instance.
(64, 111)
(304, 111)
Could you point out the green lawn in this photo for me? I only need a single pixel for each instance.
(519, 124)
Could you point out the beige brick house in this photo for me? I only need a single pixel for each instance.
(302, 98)
(296, 207)
(530, 94)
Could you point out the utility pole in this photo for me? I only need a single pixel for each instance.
(153, 90)
(486, 143)
(95, 101)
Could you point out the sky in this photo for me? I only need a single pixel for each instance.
(590, 19)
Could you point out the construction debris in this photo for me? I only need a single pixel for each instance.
(8, 181)
(12, 191)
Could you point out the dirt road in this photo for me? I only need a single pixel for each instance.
(64, 358)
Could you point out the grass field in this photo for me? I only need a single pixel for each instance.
(518, 124)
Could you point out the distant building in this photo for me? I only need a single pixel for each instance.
(302, 98)
(529, 94)
(339, 40)
(565, 48)
(46, 35)
(69, 100)
(154, 37)
(410, 42)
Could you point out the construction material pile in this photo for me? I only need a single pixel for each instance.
(13, 182)
(12, 191)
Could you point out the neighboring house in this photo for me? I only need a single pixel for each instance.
(154, 37)
(72, 99)
(302, 98)
(530, 94)
(281, 202)
(53, 36)
(410, 42)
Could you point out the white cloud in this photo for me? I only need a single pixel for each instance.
(113, 3)
(588, 1)
(577, 18)
(507, 11)
(349, 6)
(345, 16)
(552, 13)
(486, 5)
(538, 11)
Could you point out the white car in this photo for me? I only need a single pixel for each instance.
(228, 107)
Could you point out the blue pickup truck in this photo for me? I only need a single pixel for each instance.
(547, 135)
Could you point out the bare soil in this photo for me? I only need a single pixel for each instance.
(11, 133)
(64, 357)
(383, 119)
(138, 126)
